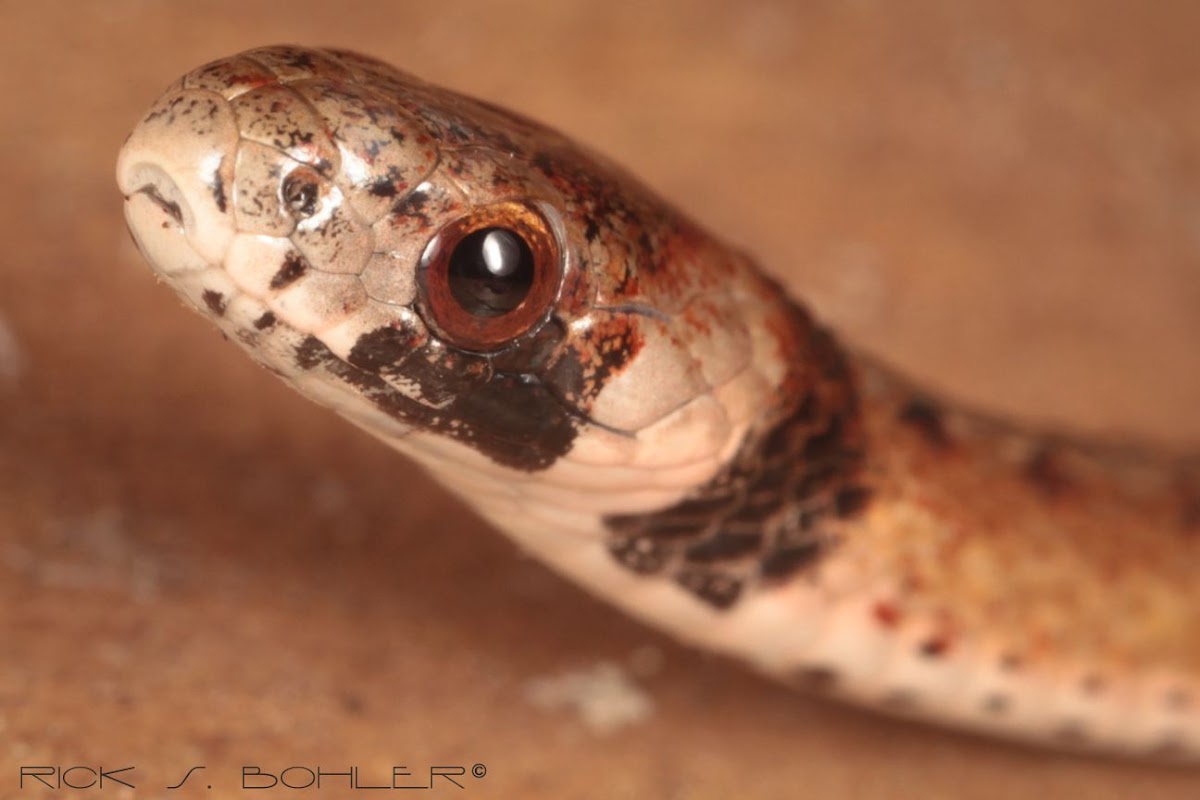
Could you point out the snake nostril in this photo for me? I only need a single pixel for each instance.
(171, 208)
(156, 185)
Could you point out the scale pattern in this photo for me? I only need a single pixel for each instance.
(674, 432)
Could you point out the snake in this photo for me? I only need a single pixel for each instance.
(641, 407)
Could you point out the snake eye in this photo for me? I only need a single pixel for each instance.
(300, 192)
(491, 272)
(490, 276)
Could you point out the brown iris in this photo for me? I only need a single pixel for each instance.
(490, 276)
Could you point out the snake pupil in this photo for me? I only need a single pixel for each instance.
(491, 272)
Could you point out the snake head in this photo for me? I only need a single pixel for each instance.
(426, 263)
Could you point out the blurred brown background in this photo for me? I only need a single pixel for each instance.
(197, 567)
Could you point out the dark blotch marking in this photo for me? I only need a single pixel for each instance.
(383, 188)
(785, 561)
(215, 301)
(715, 588)
(781, 497)
(294, 266)
(852, 501)
(723, 546)
(926, 418)
(672, 528)
(1045, 472)
(383, 349)
(312, 353)
(265, 321)
(592, 230)
(934, 647)
(640, 554)
(511, 419)
(218, 190)
(412, 204)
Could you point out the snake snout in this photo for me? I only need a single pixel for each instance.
(175, 172)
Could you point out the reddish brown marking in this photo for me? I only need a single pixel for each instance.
(1045, 471)
(926, 418)
(886, 614)
(935, 647)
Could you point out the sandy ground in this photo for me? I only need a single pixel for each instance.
(199, 568)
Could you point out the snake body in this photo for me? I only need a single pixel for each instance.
(639, 406)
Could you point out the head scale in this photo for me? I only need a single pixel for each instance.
(429, 264)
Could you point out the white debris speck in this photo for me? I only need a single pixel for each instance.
(93, 551)
(12, 359)
(604, 696)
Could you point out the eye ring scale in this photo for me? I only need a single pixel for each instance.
(490, 276)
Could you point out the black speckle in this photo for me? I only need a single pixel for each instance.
(412, 205)
(301, 60)
(294, 266)
(265, 321)
(592, 231)
(215, 302)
